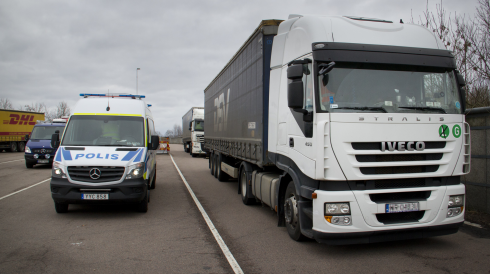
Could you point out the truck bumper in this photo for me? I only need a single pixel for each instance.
(128, 191)
(197, 148)
(369, 219)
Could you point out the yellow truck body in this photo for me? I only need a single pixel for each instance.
(15, 124)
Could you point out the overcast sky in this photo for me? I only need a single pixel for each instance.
(53, 50)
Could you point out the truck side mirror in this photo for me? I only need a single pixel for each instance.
(26, 138)
(155, 142)
(190, 125)
(295, 88)
(55, 139)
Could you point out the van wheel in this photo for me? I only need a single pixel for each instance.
(143, 205)
(153, 185)
(60, 207)
(29, 165)
(291, 214)
(245, 189)
(13, 146)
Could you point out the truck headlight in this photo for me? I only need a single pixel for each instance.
(136, 171)
(28, 150)
(455, 205)
(333, 210)
(58, 170)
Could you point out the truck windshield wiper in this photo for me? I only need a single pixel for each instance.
(426, 108)
(365, 108)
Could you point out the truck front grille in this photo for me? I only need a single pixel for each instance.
(400, 196)
(399, 183)
(377, 145)
(107, 173)
(399, 157)
(402, 217)
(200, 138)
(398, 170)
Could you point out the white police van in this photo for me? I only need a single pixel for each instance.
(106, 154)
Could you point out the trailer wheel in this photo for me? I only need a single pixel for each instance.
(60, 207)
(222, 177)
(291, 214)
(185, 148)
(22, 146)
(215, 163)
(211, 163)
(244, 188)
(13, 146)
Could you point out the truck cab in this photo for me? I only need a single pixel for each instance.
(38, 149)
(193, 132)
(106, 154)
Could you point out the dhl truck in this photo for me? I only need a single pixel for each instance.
(14, 127)
(351, 129)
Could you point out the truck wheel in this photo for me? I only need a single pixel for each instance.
(153, 185)
(22, 146)
(222, 177)
(211, 163)
(13, 146)
(143, 205)
(215, 163)
(29, 165)
(185, 148)
(291, 214)
(244, 188)
(60, 207)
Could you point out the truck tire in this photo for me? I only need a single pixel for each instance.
(13, 147)
(211, 163)
(154, 183)
(291, 214)
(215, 162)
(22, 146)
(29, 165)
(143, 205)
(60, 207)
(244, 188)
(185, 148)
(222, 177)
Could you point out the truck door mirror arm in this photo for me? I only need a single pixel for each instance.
(190, 125)
(296, 92)
(462, 84)
(55, 139)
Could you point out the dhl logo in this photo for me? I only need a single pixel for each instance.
(17, 119)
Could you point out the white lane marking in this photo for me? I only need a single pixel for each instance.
(24, 189)
(231, 260)
(11, 161)
(472, 224)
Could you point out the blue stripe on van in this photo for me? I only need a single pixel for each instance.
(58, 156)
(129, 156)
(66, 154)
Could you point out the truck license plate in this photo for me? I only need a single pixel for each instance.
(42, 161)
(402, 207)
(95, 196)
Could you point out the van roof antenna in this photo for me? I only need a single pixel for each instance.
(108, 108)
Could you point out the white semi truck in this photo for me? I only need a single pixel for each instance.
(193, 131)
(350, 128)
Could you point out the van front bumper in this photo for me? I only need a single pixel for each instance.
(128, 191)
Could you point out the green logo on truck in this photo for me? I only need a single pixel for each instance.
(444, 131)
(456, 131)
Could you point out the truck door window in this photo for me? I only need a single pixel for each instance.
(307, 87)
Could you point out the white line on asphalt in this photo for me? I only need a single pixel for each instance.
(472, 224)
(24, 189)
(231, 260)
(11, 161)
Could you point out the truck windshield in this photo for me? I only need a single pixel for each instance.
(44, 133)
(388, 88)
(99, 130)
(199, 125)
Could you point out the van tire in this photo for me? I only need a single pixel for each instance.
(153, 185)
(143, 205)
(60, 207)
(291, 213)
(29, 165)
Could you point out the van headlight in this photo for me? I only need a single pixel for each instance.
(28, 150)
(58, 170)
(136, 171)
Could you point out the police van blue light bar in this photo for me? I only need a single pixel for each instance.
(149, 105)
(112, 95)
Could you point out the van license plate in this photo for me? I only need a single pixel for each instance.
(95, 196)
(42, 161)
(402, 207)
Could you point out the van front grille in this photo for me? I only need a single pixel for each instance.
(107, 173)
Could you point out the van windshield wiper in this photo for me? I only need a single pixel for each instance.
(427, 108)
(365, 108)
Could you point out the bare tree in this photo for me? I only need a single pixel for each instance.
(169, 133)
(35, 107)
(62, 109)
(177, 130)
(6, 104)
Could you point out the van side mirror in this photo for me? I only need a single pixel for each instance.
(190, 125)
(55, 139)
(155, 142)
(295, 88)
(26, 138)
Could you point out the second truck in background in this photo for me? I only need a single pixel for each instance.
(14, 126)
(193, 131)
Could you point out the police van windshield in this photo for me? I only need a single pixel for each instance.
(88, 130)
(44, 133)
(388, 88)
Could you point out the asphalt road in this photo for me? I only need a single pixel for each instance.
(172, 237)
